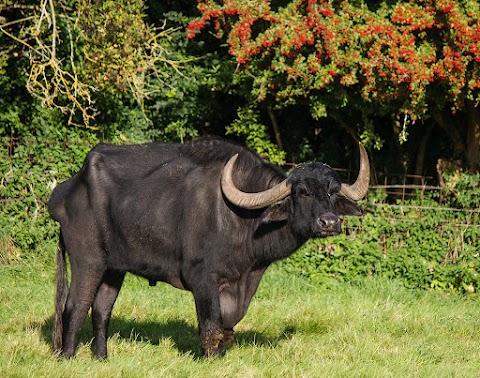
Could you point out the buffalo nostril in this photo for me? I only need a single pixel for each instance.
(329, 220)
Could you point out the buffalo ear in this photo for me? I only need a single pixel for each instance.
(277, 212)
(346, 206)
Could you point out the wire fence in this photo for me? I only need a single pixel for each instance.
(411, 203)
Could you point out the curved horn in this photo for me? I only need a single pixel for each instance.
(359, 188)
(250, 200)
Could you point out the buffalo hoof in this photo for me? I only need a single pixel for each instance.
(212, 343)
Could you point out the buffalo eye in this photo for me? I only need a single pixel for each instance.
(304, 192)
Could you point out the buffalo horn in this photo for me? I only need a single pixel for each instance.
(250, 200)
(359, 188)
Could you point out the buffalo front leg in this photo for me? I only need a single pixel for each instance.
(102, 310)
(210, 324)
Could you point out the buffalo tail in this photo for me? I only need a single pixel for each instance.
(60, 296)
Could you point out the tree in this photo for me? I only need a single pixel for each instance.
(71, 50)
(408, 60)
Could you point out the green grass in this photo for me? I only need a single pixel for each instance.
(369, 328)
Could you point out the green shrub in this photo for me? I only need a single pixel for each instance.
(248, 127)
(42, 157)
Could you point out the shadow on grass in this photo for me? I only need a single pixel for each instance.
(183, 335)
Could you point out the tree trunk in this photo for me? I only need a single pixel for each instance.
(352, 132)
(349, 129)
(276, 129)
(449, 126)
(473, 137)
(420, 161)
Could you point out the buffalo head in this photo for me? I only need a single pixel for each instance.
(311, 198)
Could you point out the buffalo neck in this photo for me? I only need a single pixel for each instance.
(276, 241)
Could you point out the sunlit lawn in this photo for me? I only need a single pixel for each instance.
(370, 328)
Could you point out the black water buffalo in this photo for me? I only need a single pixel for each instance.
(208, 217)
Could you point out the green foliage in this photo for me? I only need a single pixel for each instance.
(248, 127)
(426, 244)
(44, 154)
(462, 190)
(75, 51)
(114, 37)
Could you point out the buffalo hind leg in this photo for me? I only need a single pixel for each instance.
(102, 310)
(82, 291)
(228, 338)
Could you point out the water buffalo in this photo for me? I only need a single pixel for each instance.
(208, 216)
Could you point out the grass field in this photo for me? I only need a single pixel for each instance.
(370, 328)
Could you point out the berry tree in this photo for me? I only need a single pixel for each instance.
(410, 59)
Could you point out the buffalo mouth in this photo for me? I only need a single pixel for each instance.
(326, 233)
